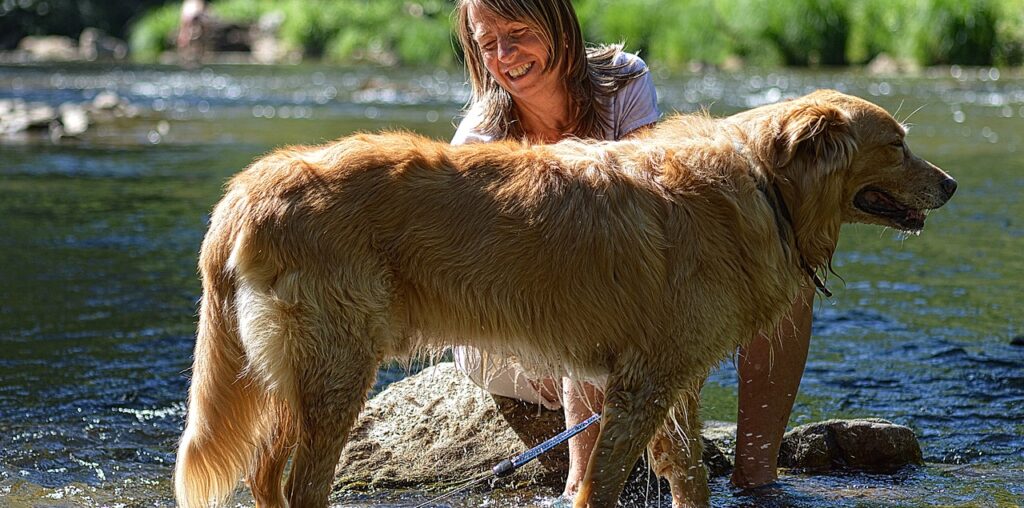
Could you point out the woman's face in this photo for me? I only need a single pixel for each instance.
(515, 56)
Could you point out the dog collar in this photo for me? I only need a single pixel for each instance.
(781, 210)
(783, 219)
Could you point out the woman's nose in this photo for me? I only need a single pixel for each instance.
(506, 49)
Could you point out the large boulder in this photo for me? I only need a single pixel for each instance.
(870, 444)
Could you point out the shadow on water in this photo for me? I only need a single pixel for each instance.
(99, 236)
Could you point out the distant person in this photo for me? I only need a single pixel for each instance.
(533, 78)
(190, 30)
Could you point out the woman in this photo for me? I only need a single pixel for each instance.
(532, 78)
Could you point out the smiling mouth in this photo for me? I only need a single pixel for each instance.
(520, 71)
(875, 201)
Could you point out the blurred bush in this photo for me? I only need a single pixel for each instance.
(154, 32)
(671, 33)
(19, 18)
(408, 32)
(812, 32)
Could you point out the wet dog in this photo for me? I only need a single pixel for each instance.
(644, 262)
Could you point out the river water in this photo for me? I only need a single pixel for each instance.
(98, 286)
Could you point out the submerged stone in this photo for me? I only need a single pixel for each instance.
(870, 444)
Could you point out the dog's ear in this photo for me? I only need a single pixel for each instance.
(817, 132)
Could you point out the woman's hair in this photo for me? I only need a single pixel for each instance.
(590, 74)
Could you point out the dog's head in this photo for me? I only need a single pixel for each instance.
(837, 159)
(882, 181)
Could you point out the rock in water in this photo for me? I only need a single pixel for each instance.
(74, 119)
(436, 428)
(870, 444)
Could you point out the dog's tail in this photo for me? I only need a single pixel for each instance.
(230, 414)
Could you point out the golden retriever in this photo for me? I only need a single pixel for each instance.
(645, 262)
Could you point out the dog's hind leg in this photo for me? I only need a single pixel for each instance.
(677, 452)
(637, 399)
(332, 391)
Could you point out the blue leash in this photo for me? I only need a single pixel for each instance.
(508, 466)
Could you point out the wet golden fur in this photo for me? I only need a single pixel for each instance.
(647, 261)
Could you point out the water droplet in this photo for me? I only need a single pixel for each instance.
(958, 116)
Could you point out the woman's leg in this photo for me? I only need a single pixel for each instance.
(769, 369)
(580, 401)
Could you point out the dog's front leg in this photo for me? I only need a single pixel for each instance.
(677, 452)
(636, 402)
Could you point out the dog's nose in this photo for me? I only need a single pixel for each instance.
(949, 187)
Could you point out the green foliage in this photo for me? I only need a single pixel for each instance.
(154, 33)
(410, 32)
(1010, 33)
(953, 31)
(670, 32)
(814, 32)
(880, 26)
(804, 32)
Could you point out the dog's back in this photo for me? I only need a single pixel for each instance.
(557, 254)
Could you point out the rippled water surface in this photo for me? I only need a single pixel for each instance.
(98, 243)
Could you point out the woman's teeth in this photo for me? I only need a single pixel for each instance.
(519, 71)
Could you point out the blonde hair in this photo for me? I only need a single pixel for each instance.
(590, 73)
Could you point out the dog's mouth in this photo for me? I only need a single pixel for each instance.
(877, 202)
